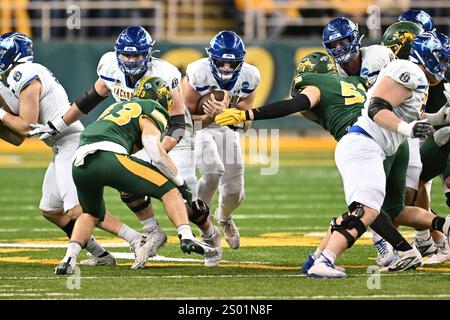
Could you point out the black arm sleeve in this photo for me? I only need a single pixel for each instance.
(377, 104)
(281, 108)
(177, 126)
(88, 100)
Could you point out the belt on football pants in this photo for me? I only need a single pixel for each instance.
(358, 129)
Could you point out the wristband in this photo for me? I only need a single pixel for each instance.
(2, 114)
(404, 128)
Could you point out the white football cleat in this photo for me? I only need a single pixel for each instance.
(324, 268)
(107, 260)
(147, 246)
(215, 241)
(386, 253)
(442, 255)
(406, 260)
(426, 246)
(230, 232)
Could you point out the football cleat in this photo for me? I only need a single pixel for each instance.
(406, 260)
(107, 260)
(442, 255)
(193, 245)
(386, 253)
(324, 268)
(64, 268)
(230, 232)
(215, 241)
(147, 246)
(309, 263)
(426, 247)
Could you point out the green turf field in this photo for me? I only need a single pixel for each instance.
(281, 220)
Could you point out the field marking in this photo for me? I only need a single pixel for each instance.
(268, 239)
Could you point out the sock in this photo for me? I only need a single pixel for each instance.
(149, 224)
(438, 224)
(184, 230)
(330, 255)
(440, 242)
(95, 248)
(376, 237)
(317, 253)
(220, 217)
(208, 232)
(128, 233)
(72, 252)
(385, 228)
(423, 234)
(68, 228)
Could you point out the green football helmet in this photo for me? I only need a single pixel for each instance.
(316, 62)
(399, 37)
(156, 89)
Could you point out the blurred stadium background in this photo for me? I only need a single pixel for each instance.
(71, 36)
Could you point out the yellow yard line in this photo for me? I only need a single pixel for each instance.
(286, 144)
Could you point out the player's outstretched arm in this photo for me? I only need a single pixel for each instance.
(307, 99)
(82, 105)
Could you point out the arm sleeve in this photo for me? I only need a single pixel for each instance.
(283, 108)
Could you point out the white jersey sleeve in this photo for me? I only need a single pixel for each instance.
(106, 65)
(408, 74)
(196, 77)
(21, 76)
(165, 70)
(373, 59)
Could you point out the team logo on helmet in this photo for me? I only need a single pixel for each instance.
(156, 89)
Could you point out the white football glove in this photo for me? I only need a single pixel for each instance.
(416, 129)
(442, 136)
(447, 92)
(442, 117)
(48, 130)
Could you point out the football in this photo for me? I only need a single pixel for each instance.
(218, 94)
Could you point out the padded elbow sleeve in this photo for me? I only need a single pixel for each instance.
(88, 100)
(376, 105)
(177, 126)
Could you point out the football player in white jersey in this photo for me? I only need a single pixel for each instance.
(217, 149)
(118, 72)
(390, 115)
(36, 96)
(342, 41)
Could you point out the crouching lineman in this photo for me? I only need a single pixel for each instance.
(36, 95)
(105, 147)
(390, 115)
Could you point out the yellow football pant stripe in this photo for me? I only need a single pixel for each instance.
(142, 171)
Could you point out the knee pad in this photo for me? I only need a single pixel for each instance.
(350, 220)
(134, 202)
(200, 212)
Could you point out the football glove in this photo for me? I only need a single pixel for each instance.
(442, 136)
(416, 129)
(230, 117)
(186, 193)
(447, 92)
(442, 117)
(48, 130)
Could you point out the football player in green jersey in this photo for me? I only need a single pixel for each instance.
(103, 159)
(433, 158)
(335, 103)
